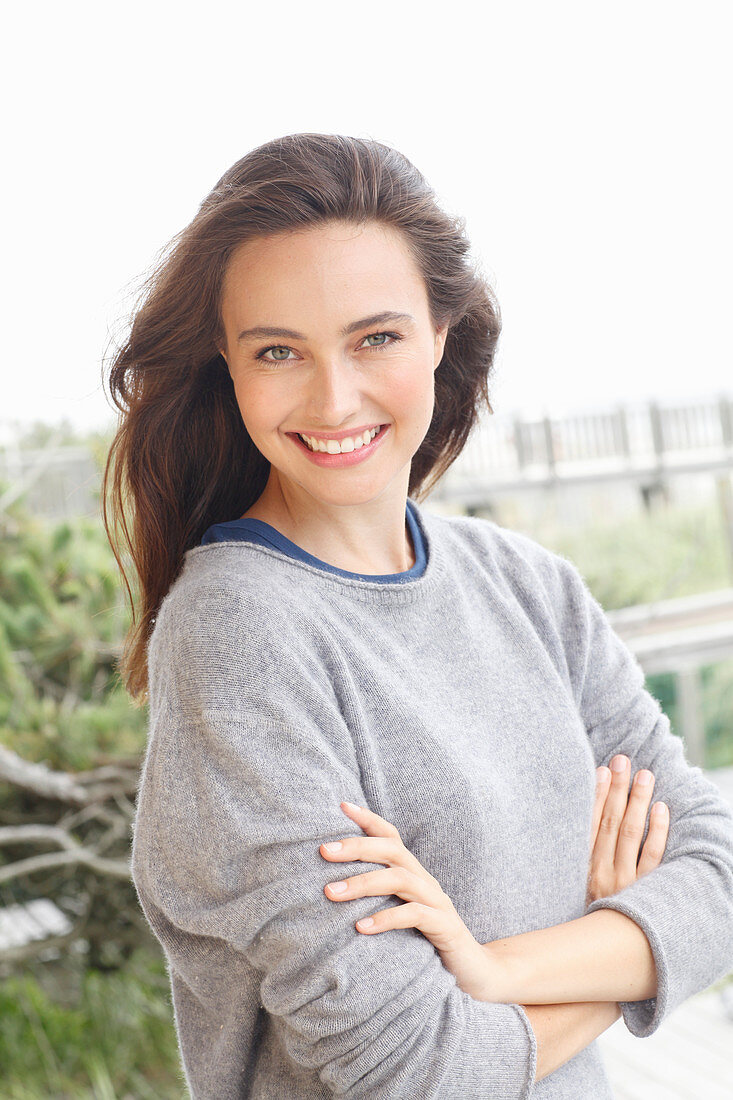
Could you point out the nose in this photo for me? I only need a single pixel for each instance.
(334, 393)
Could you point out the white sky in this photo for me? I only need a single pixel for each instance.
(587, 144)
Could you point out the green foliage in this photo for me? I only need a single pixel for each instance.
(717, 704)
(670, 553)
(62, 620)
(110, 1036)
(63, 617)
(662, 685)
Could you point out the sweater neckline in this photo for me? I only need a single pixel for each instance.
(366, 591)
(238, 529)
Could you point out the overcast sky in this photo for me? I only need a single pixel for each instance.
(587, 145)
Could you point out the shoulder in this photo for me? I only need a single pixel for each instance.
(220, 583)
(499, 549)
(549, 588)
(229, 620)
(227, 599)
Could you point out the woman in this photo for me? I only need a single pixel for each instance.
(330, 662)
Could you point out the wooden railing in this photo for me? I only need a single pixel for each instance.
(510, 453)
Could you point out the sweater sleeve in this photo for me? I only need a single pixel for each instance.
(684, 906)
(243, 777)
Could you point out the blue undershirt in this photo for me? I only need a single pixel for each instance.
(264, 534)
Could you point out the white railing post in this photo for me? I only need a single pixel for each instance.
(725, 499)
(689, 704)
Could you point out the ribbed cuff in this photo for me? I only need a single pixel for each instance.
(497, 1054)
(642, 1017)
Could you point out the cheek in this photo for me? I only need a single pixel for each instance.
(258, 403)
(412, 390)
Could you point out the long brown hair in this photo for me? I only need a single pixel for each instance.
(181, 458)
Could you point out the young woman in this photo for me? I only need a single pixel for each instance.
(329, 663)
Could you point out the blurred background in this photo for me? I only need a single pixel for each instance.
(587, 147)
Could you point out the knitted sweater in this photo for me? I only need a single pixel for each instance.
(470, 707)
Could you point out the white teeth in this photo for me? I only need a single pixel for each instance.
(343, 446)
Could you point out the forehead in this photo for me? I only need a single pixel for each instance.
(336, 261)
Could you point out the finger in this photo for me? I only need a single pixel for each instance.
(656, 840)
(371, 823)
(394, 880)
(377, 849)
(604, 852)
(369, 849)
(603, 779)
(631, 829)
(444, 930)
(378, 827)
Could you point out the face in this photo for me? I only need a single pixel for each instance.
(343, 344)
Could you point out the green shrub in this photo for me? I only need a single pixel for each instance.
(109, 1035)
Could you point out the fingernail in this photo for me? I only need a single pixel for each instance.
(351, 806)
(334, 846)
(365, 922)
(618, 763)
(659, 808)
(644, 778)
(602, 774)
(337, 887)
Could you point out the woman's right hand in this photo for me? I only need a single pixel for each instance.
(618, 826)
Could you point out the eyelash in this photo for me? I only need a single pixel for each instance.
(394, 337)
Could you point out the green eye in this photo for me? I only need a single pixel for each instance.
(280, 354)
(385, 339)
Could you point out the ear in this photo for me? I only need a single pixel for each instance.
(441, 336)
(220, 341)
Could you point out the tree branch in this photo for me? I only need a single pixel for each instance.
(113, 868)
(81, 789)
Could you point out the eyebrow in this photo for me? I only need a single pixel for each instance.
(267, 331)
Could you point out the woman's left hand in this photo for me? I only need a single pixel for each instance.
(619, 817)
(427, 908)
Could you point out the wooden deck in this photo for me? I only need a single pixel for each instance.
(690, 1057)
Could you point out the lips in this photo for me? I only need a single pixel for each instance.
(345, 458)
(356, 438)
(338, 436)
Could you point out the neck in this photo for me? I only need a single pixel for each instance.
(370, 537)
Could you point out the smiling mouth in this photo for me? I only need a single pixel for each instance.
(340, 446)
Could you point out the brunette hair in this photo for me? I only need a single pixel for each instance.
(181, 458)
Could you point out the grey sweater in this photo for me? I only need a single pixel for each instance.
(470, 707)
